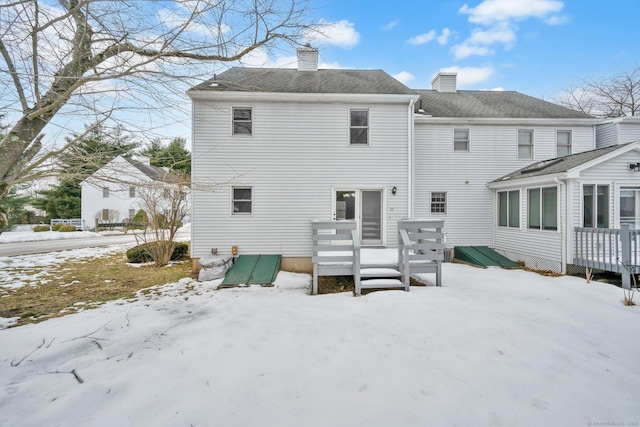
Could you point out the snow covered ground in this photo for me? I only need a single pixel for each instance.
(489, 348)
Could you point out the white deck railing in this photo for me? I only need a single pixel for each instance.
(420, 248)
(335, 250)
(608, 249)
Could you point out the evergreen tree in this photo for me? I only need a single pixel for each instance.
(174, 156)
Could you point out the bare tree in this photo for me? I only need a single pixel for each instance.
(166, 205)
(101, 58)
(613, 96)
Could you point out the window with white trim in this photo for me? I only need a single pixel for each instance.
(461, 140)
(358, 126)
(509, 208)
(132, 213)
(242, 121)
(542, 208)
(438, 203)
(563, 140)
(595, 206)
(242, 200)
(525, 144)
(132, 192)
(105, 192)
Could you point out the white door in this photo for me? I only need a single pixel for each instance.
(365, 207)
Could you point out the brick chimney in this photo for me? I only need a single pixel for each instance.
(444, 82)
(307, 58)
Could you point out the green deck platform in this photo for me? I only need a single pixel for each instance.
(253, 270)
(483, 256)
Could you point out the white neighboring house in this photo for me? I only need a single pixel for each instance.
(112, 193)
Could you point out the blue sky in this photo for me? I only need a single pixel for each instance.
(538, 47)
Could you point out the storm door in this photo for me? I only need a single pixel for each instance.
(364, 207)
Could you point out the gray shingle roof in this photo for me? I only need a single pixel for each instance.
(154, 172)
(491, 104)
(294, 81)
(559, 164)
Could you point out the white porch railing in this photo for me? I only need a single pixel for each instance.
(335, 250)
(420, 248)
(615, 250)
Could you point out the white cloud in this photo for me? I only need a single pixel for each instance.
(468, 76)
(557, 20)
(259, 58)
(497, 89)
(423, 38)
(342, 34)
(499, 33)
(465, 50)
(443, 38)
(404, 77)
(390, 25)
(491, 11)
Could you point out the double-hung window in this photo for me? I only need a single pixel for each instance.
(543, 208)
(563, 140)
(105, 192)
(242, 121)
(509, 208)
(438, 203)
(525, 144)
(242, 200)
(595, 206)
(358, 126)
(132, 192)
(461, 140)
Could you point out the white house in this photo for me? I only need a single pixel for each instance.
(279, 147)
(112, 193)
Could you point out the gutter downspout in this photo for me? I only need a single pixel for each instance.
(410, 126)
(563, 224)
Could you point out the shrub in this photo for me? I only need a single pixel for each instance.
(66, 228)
(39, 228)
(55, 227)
(140, 217)
(139, 254)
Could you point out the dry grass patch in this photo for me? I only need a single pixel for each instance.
(80, 284)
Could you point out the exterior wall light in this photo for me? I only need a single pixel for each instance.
(394, 190)
(635, 167)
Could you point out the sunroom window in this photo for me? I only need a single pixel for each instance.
(543, 208)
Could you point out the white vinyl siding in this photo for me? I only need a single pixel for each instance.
(470, 204)
(298, 156)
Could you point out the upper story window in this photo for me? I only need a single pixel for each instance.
(438, 203)
(242, 121)
(132, 192)
(525, 144)
(358, 127)
(509, 208)
(242, 200)
(105, 192)
(564, 142)
(543, 208)
(461, 140)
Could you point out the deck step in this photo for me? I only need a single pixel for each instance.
(381, 283)
(379, 272)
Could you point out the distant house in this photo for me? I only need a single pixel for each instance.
(285, 146)
(112, 193)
